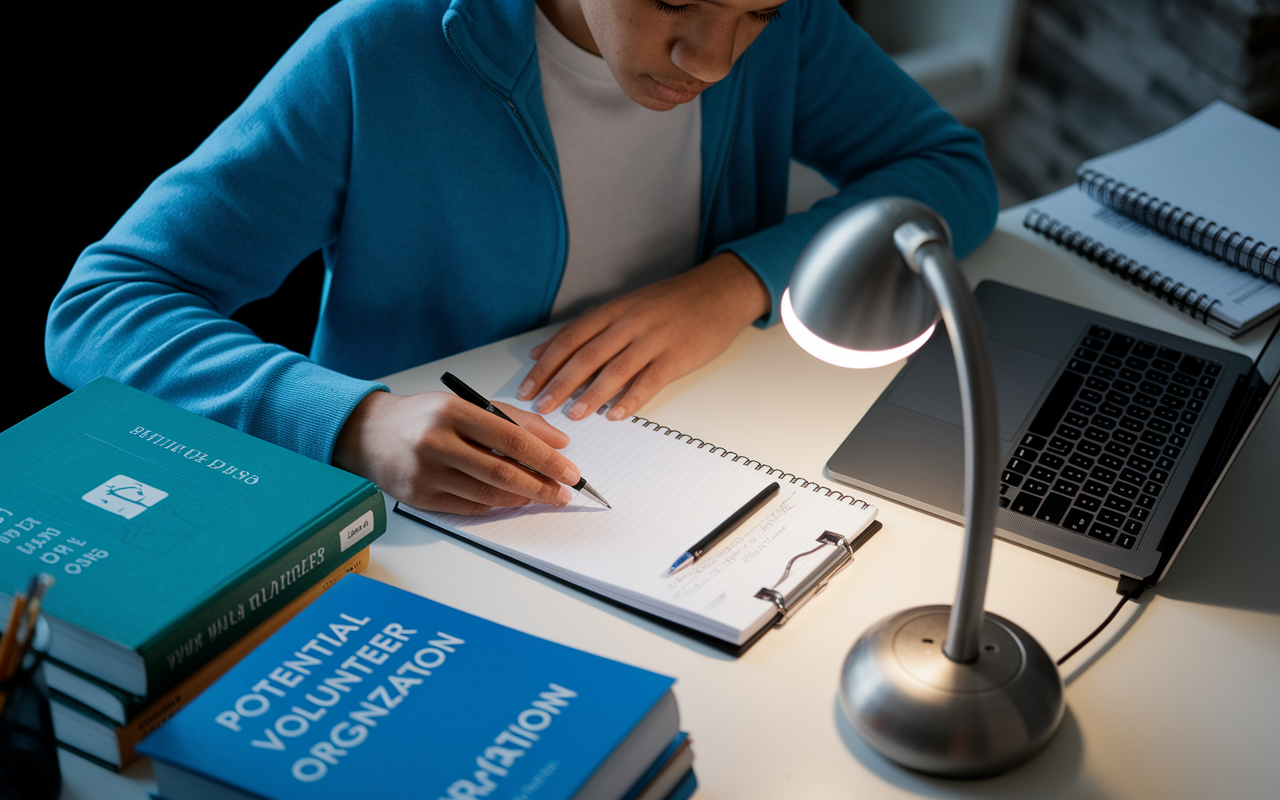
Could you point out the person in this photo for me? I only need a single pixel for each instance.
(443, 156)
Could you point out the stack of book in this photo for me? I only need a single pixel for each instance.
(375, 689)
(178, 545)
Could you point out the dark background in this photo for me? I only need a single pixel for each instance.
(108, 96)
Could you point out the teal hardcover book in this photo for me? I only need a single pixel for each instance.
(169, 535)
(376, 690)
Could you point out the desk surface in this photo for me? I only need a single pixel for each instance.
(1176, 699)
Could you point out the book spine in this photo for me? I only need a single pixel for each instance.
(208, 630)
(1179, 295)
(1232, 246)
(751, 462)
(164, 707)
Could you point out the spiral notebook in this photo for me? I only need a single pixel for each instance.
(668, 489)
(1209, 182)
(1223, 297)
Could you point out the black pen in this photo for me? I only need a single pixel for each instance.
(725, 528)
(475, 398)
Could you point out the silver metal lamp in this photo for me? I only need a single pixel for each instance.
(952, 692)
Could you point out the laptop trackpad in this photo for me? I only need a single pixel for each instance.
(930, 386)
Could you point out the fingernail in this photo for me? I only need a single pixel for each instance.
(526, 389)
(544, 405)
(566, 495)
(617, 413)
(578, 411)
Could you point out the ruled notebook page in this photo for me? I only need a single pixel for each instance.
(666, 494)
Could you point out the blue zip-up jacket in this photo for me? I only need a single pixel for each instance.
(407, 140)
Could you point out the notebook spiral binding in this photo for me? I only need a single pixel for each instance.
(1175, 293)
(740, 459)
(1207, 236)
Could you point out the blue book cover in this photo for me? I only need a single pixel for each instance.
(375, 689)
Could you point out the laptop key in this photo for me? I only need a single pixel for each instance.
(1125, 490)
(1052, 509)
(1164, 364)
(1103, 476)
(1119, 345)
(1146, 501)
(1074, 475)
(1034, 442)
(1126, 541)
(1111, 462)
(1080, 460)
(1068, 432)
(1103, 532)
(1106, 423)
(1086, 354)
(1144, 349)
(1092, 396)
(1131, 375)
(1166, 414)
(1110, 517)
(1042, 474)
(1025, 504)
(1168, 355)
(1051, 461)
(1124, 437)
(1089, 448)
(1213, 369)
(1004, 502)
(1117, 449)
(1077, 521)
(1160, 426)
(1060, 445)
(1035, 487)
(1152, 488)
(1131, 424)
(1096, 434)
(1147, 451)
(1111, 410)
(1139, 513)
(1019, 466)
(1132, 476)
(1146, 400)
(1191, 365)
(1140, 464)
(1118, 504)
(1067, 488)
(1011, 478)
(1095, 487)
(1133, 526)
(1110, 361)
(1088, 502)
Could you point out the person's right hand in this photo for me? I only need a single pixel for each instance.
(435, 451)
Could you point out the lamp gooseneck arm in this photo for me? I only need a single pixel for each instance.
(939, 268)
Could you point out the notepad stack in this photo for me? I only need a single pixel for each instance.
(1189, 215)
(172, 538)
(372, 689)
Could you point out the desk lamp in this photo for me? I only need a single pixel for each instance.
(951, 692)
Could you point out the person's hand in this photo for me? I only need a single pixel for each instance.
(645, 339)
(434, 451)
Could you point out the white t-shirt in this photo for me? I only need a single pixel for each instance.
(631, 177)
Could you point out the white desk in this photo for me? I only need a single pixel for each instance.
(1179, 699)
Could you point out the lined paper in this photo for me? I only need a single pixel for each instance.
(666, 493)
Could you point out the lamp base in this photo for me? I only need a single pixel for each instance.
(928, 713)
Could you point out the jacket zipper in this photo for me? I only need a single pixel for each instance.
(724, 170)
(528, 136)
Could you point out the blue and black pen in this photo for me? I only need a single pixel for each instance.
(725, 528)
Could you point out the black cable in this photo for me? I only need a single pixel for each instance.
(1127, 596)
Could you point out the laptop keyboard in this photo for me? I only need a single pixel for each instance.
(1099, 453)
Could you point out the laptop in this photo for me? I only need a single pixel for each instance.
(1114, 434)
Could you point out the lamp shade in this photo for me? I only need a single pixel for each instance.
(852, 287)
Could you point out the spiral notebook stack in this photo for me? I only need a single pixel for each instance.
(1191, 215)
(668, 489)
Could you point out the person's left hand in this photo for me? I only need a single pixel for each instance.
(645, 339)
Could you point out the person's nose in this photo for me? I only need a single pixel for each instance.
(706, 52)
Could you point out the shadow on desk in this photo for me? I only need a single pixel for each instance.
(1232, 556)
(1058, 766)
